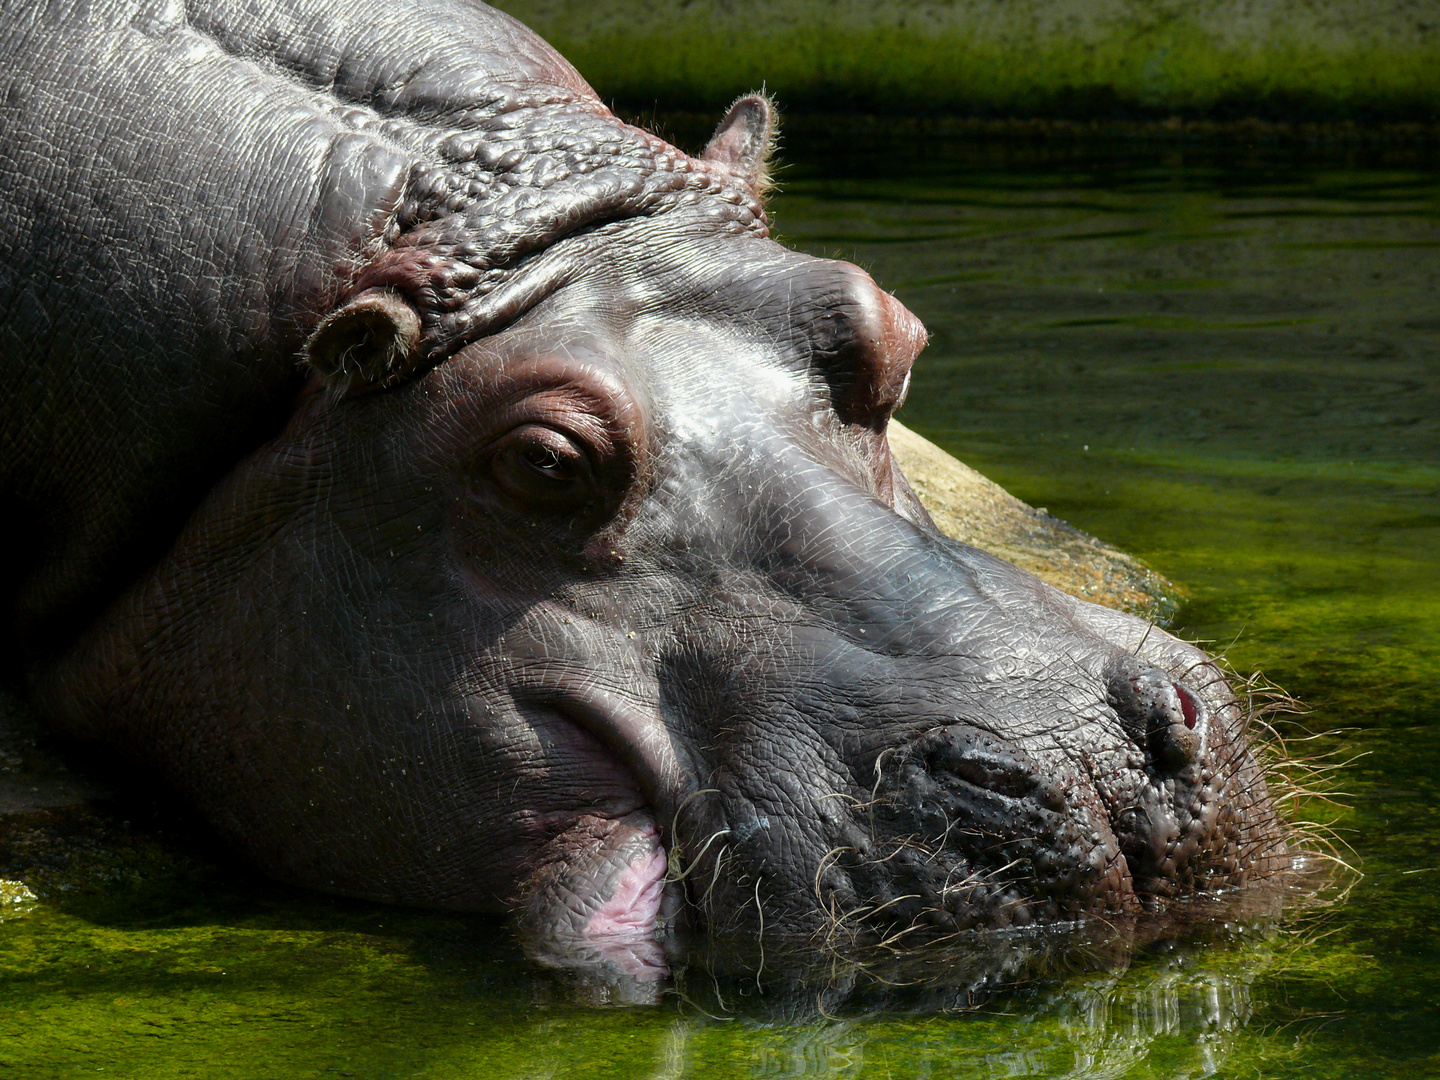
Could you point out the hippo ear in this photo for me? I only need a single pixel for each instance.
(744, 139)
(374, 340)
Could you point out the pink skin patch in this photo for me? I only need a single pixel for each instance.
(633, 907)
(613, 869)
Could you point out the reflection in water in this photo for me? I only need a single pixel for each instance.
(1181, 1012)
(1166, 994)
(1107, 1026)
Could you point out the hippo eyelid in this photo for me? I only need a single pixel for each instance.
(573, 391)
(555, 447)
(541, 467)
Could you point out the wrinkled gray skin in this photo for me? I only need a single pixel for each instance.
(457, 496)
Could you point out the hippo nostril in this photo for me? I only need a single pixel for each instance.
(1163, 716)
(1188, 708)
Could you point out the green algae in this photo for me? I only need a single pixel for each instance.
(1010, 57)
(1170, 308)
(299, 989)
(263, 1001)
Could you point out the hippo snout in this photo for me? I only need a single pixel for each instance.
(989, 837)
(1162, 714)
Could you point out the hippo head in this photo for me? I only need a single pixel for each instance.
(621, 613)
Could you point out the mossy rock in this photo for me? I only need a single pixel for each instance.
(979, 511)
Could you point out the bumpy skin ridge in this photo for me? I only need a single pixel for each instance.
(503, 169)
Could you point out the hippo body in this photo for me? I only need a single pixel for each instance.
(455, 494)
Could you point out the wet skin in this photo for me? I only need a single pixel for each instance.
(618, 589)
(568, 571)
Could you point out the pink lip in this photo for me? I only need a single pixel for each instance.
(633, 908)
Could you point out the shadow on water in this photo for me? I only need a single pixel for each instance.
(1220, 353)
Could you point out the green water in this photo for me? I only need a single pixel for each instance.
(1223, 358)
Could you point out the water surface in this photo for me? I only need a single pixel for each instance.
(1224, 358)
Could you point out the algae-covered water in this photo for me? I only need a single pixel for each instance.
(1224, 358)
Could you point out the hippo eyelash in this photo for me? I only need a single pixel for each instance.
(544, 459)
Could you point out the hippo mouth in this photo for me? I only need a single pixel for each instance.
(600, 898)
(600, 894)
(963, 829)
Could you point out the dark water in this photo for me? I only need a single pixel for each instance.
(1223, 358)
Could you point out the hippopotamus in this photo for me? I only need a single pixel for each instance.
(459, 499)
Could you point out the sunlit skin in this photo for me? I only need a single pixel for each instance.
(572, 574)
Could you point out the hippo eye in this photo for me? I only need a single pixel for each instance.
(536, 463)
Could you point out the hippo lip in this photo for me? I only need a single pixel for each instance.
(636, 737)
(597, 898)
(601, 892)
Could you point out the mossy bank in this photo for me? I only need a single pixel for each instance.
(1281, 59)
